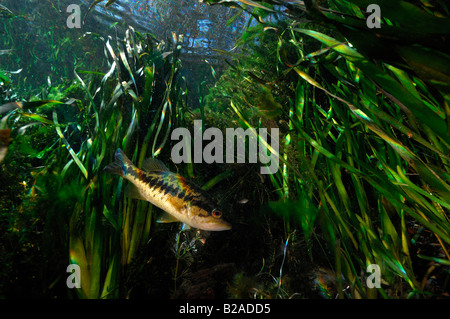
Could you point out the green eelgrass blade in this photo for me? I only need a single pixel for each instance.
(110, 285)
(435, 259)
(69, 148)
(397, 91)
(109, 216)
(137, 229)
(220, 177)
(78, 256)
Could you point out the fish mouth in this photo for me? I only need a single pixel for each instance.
(227, 226)
(219, 226)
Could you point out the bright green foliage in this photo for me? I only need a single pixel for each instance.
(368, 118)
(133, 105)
(364, 169)
(138, 91)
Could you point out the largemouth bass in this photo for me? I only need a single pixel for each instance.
(182, 200)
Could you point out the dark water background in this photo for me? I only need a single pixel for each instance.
(308, 231)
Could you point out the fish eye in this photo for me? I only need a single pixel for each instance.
(216, 213)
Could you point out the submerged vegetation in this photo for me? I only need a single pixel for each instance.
(364, 168)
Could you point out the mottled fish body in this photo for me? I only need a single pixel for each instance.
(182, 200)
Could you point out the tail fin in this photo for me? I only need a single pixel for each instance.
(118, 167)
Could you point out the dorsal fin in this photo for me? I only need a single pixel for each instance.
(153, 164)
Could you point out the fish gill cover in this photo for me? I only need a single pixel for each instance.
(359, 207)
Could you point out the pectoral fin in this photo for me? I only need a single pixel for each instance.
(166, 218)
(185, 227)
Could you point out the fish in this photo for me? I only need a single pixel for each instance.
(180, 199)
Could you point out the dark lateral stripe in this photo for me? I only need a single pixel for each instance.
(171, 190)
(159, 183)
(164, 188)
(181, 195)
(148, 180)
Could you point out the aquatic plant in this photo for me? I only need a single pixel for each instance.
(363, 115)
(365, 156)
(135, 106)
(132, 101)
